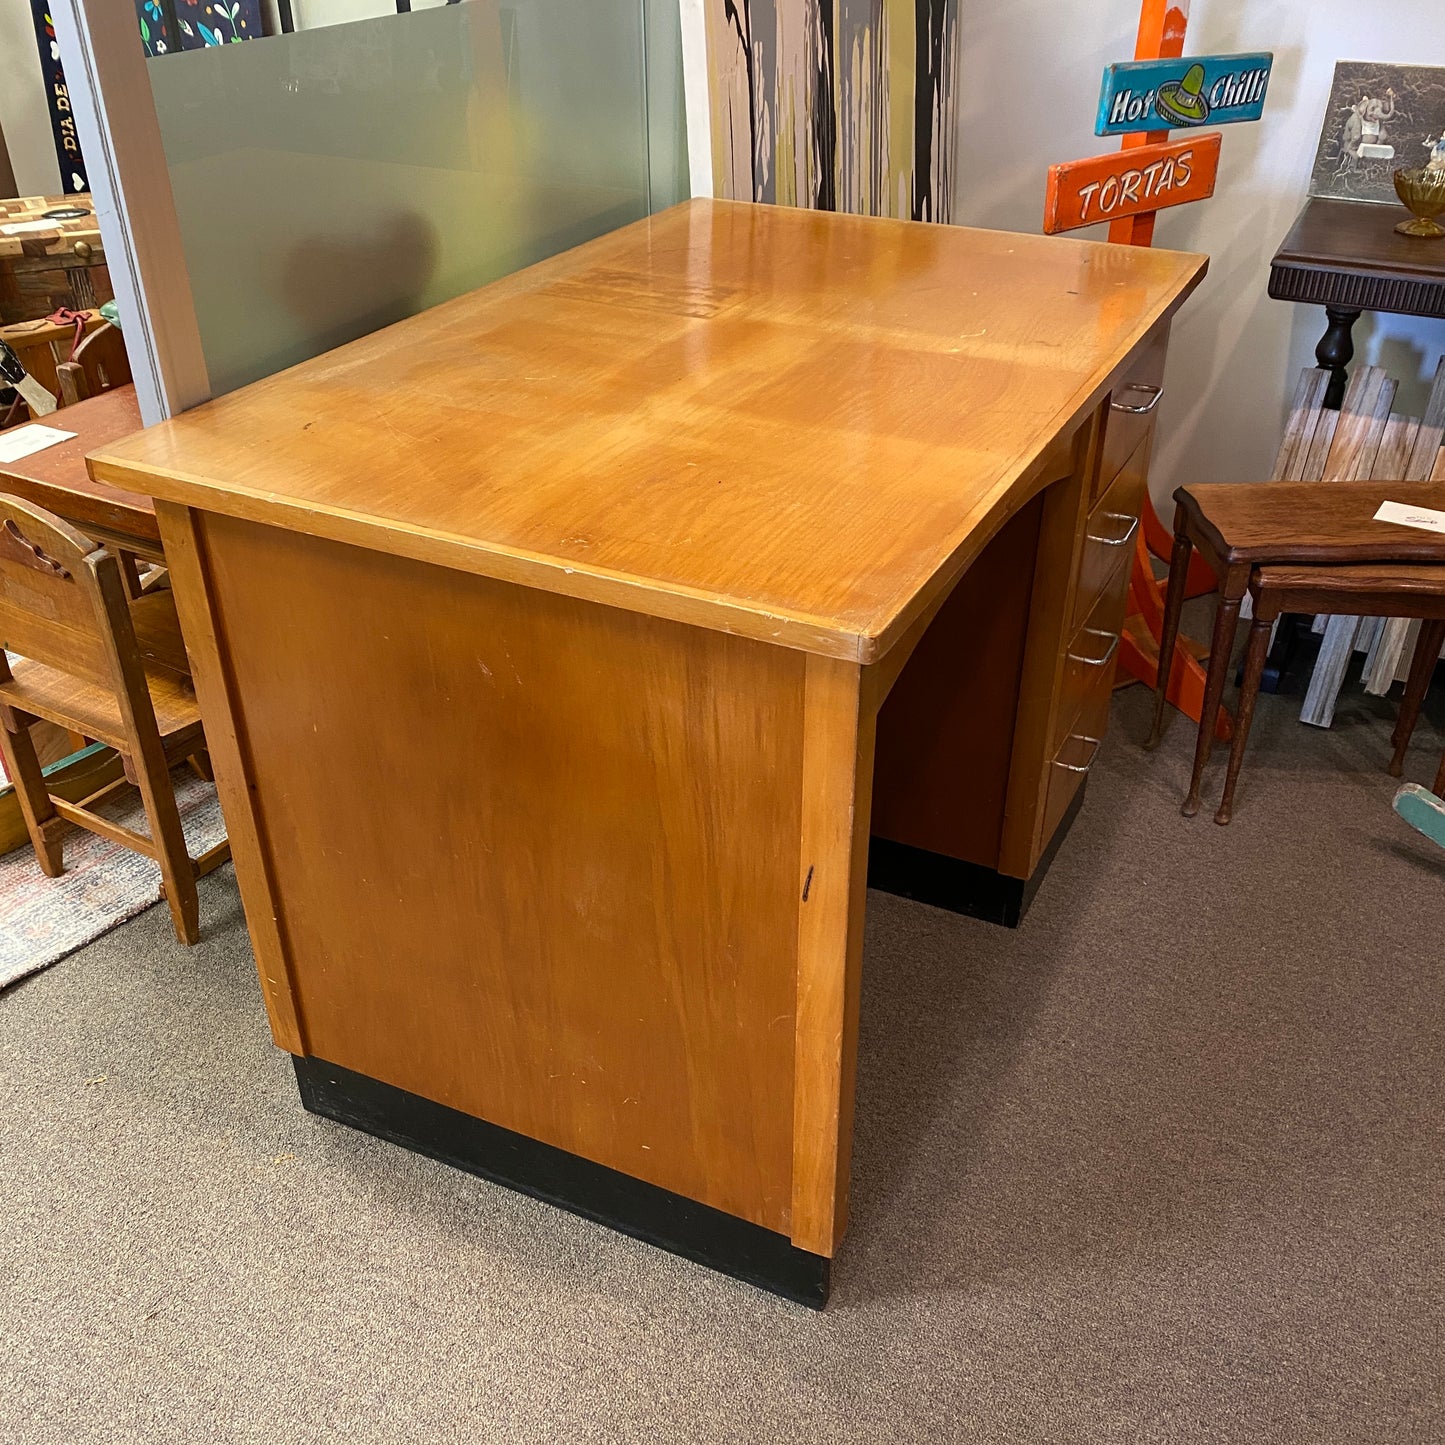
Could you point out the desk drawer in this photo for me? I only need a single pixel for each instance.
(1088, 677)
(1067, 771)
(1129, 414)
(1109, 539)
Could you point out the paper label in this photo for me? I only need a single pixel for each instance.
(21, 228)
(1424, 517)
(24, 441)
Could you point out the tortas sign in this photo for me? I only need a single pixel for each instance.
(1145, 95)
(1131, 182)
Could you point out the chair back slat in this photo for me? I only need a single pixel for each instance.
(51, 607)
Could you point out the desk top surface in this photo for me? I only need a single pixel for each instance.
(1360, 236)
(774, 422)
(56, 478)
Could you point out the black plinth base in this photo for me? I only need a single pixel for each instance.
(967, 888)
(671, 1221)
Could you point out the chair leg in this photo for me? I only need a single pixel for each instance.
(1249, 692)
(1169, 635)
(44, 826)
(1422, 669)
(178, 873)
(1226, 619)
(200, 762)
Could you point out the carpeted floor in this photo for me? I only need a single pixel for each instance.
(1166, 1164)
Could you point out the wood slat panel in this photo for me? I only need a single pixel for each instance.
(1299, 429)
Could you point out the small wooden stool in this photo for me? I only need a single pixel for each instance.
(1239, 526)
(1365, 591)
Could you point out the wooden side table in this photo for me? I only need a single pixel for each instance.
(1347, 257)
(1240, 527)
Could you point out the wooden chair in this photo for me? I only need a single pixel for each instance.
(1367, 591)
(69, 370)
(103, 664)
(1239, 527)
(98, 364)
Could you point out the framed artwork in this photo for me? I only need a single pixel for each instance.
(1380, 119)
(839, 105)
(157, 32)
(217, 22)
(168, 26)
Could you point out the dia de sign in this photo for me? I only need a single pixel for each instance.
(1143, 95)
(1131, 182)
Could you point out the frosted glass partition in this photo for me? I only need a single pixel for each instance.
(332, 181)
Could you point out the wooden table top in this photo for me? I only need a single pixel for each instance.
(1359, 236)
(1313, 522)
(1348, 255)
(57, 479)
(793, 425)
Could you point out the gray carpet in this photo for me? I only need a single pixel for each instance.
(1163, 1165)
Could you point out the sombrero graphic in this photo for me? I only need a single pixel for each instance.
(1182, 102)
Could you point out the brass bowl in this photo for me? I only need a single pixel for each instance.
(1423, 192)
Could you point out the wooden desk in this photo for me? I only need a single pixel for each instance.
(57, 479)
(544, 640)
(1347, 257)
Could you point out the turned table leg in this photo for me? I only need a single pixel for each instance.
(1226, 619)
(1335, 351)
(1244, 713)
(1169, 632)
(1422, 669)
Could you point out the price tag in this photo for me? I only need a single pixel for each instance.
(1426, 518)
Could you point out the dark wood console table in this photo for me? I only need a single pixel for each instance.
(1347, 257)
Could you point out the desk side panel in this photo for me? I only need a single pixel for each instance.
(534, 858)
(185, 555)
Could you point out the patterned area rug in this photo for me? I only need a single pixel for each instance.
(43, 919)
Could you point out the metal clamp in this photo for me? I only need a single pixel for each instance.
(1116, 541)
(1080, 767)
(1145, 388)
(1109, 651)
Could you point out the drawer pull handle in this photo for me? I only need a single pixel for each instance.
(1116, 541)
(1109, 651)
(1081, 767)
(1143, 388)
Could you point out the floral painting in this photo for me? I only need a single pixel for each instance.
(1380, 119)
(170, 25)
(155, 32)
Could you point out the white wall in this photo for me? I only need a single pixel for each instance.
(1030, 91)
(24, 116)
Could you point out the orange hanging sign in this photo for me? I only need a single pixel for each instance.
(1131, 182)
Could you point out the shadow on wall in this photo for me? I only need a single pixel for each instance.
(323, 282)
(1408, 347)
